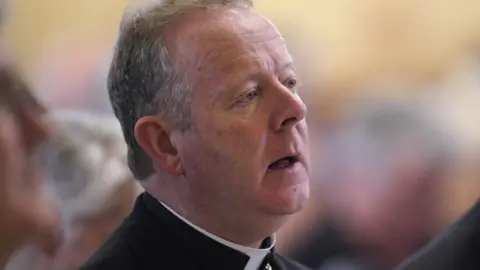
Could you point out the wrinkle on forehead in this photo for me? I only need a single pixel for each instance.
(207, 41)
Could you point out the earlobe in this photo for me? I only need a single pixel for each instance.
(177, 161)
(153, 136)
(178, 167)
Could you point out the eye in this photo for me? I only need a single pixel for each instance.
(291, 83)
(250, 96)
(247, 98)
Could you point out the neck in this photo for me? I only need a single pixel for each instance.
(208, 217)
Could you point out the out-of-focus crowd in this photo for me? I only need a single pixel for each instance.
(396, 157)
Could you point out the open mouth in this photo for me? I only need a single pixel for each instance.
(283, 163)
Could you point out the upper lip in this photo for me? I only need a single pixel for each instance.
(295, 155)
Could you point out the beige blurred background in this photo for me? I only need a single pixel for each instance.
(347, 46)
(355, 38)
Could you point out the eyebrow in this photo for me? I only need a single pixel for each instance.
(284, 66)
(221, 92)
(240, 79)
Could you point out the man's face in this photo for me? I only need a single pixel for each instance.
(247, 152)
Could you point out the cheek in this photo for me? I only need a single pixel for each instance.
(302, 129)
(243, 139)
(228, 143)
(218, 138)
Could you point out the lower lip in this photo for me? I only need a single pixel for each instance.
(289, 169)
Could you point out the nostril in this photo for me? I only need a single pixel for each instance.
(289, 122)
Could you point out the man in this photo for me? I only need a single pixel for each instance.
(207, 97)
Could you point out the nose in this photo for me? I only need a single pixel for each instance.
(290, 110)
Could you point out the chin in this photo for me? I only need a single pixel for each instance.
(289, 201)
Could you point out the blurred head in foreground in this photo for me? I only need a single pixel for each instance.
(26, 209)
(86, 161)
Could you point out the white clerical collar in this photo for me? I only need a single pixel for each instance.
(256, 255)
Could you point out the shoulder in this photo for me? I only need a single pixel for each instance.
(118, 251)
(140, 242)
(454, 249)
(114, 254)
(110, 256)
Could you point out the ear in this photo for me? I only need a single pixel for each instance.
(154, 136)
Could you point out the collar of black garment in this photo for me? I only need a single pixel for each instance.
(208, 252)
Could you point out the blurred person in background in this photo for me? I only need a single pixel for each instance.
(87, 164)
(72, 74)
(382, 173)
(27, 212)
(456, 248)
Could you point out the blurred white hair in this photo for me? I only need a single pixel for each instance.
(86, 162)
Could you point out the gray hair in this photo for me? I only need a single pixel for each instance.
(142, 80)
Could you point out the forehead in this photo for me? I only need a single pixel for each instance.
(220, 42)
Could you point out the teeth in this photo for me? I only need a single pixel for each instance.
(282, 163)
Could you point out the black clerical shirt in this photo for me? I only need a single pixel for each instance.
(257, 255)
(152, 237)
